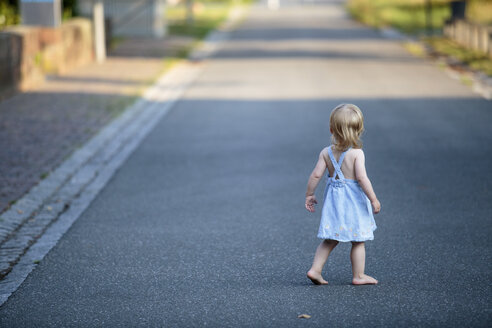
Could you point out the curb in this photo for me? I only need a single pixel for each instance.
(33, 226)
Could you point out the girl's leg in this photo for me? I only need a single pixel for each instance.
(358, 258)
(320, 258)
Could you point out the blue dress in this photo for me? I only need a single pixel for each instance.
(347, 212)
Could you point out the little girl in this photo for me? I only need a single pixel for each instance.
(346, 214)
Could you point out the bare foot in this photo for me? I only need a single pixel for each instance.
(316, 278)
(364, 280)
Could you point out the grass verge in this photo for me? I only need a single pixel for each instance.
(207, 16)
(474, 59)
(409, 16)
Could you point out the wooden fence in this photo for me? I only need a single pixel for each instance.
(470, 35)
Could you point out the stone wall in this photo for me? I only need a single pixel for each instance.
(27, 53)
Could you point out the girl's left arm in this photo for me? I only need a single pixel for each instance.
(313, 182)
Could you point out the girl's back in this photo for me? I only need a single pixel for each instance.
(348, 164)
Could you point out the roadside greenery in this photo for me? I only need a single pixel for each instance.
(207, 15)
(409, 16)
(476, 60)
(9, 14)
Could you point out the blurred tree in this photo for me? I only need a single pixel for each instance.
(69, 8)
(9, 13)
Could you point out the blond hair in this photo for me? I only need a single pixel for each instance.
(346, 125)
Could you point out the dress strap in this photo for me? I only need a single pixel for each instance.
(337, 166)
(342, 156)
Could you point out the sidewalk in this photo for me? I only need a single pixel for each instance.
(39, 128)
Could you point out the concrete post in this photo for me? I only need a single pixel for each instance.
(484, 40)
(449, 30)
(41, 12)
(464, 34)
(459, 32)
(160, 25)
(490, 42)
(474, 36)
(99, 38)
(469, 29)
(453, 30)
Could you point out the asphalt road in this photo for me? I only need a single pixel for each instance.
(205, 224)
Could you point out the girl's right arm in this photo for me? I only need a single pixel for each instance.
(313, 181)
(364, 182)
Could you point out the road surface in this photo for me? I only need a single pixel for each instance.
(205, 224)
